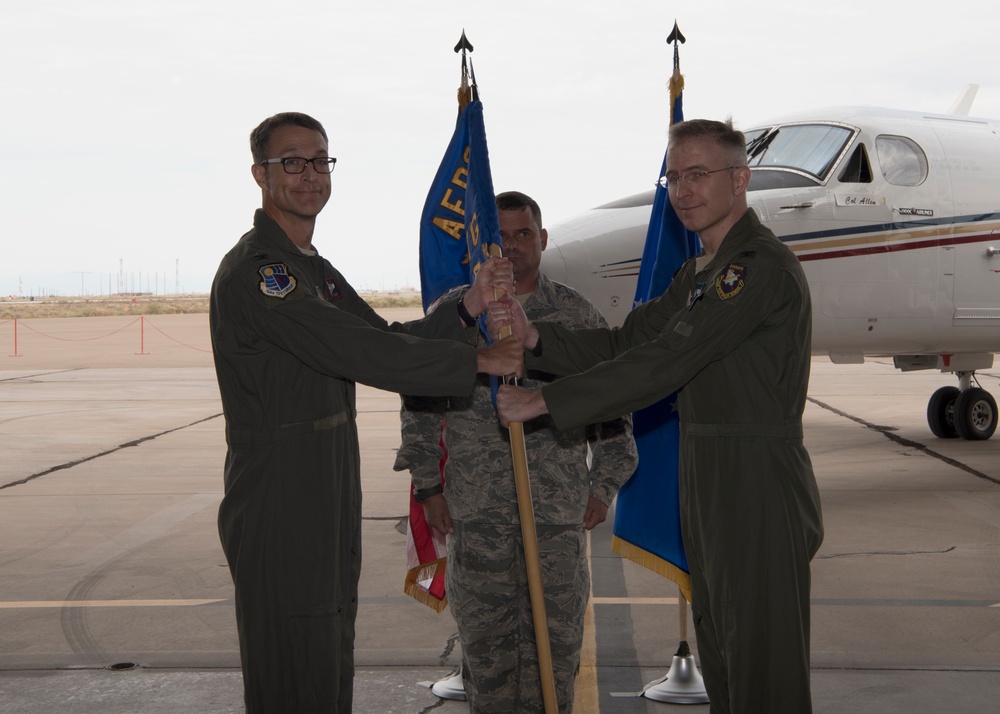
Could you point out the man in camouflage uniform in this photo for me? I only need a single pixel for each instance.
(291, 337)
(732, 333)
(485, 576)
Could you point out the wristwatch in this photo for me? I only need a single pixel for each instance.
(463, 312)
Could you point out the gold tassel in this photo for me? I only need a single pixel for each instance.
(653, 562)
(425, 571)
(676, 87)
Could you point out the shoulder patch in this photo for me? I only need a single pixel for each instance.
(278, 282)
(731, 281)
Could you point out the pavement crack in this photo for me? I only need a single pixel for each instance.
(887, 432)
(449, 648)
(85, 459)
(885, 552)
(30, 377)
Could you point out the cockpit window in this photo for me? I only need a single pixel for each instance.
(810, 148)
(903, 163)
(753, 135)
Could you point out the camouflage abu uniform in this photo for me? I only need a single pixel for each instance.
(735, 335)
(291, 337)
(485, 577)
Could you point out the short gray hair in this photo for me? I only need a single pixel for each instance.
(730, 140)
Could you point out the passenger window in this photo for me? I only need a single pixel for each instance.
(903, 163)
(858, 169)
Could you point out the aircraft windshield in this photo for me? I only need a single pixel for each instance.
(810, 148)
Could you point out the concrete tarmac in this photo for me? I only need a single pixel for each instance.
(115, 596)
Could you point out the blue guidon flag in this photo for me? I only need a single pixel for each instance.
(459, 227)
(459, 230)
(482, 222)
(444, 254)
(647, 527)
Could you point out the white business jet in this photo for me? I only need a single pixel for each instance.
(895, 217)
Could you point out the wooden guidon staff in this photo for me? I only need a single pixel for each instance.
(467, 92)
(529, 536)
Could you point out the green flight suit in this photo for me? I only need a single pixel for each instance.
(734, 338)
(291, 337)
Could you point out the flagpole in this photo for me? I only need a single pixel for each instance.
(519, 456)
(683, 683)
(532, 563)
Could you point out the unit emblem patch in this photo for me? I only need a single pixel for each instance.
(730, 281)
(278, 282)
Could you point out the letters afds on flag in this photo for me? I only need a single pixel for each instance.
(459, 230)
(444, 256)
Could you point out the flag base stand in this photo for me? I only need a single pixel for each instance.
(451, 687)
(682, 684)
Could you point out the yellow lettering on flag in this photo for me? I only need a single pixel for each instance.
(456, 206)
(474, 230)
(452, 228)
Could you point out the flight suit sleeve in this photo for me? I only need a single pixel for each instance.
(335, 342)
(567, 351)
(706, 330)
(441, 321)
(614, 456)
(420, 451)
(421, 418)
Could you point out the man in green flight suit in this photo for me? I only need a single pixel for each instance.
(291, 337)
(732, 333)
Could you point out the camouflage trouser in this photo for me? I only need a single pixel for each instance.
(488, 593)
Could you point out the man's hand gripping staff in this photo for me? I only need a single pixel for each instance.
(515, 404)
(505, 357)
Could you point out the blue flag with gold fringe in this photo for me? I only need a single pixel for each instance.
(459, 230)
(647, 513)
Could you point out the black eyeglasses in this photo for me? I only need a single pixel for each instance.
(296, 164)
(690, 178)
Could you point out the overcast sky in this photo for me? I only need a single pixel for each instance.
(124, 127)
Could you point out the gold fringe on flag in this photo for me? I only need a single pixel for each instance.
(653, 562)
(425, 571)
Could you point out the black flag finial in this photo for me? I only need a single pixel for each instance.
(677, 39)
(468, 91)
(464, 44)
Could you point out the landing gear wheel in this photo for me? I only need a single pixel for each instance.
(975, 414)
(941, 412)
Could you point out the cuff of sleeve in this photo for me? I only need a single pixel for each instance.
(604, 494)
(421, 494)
